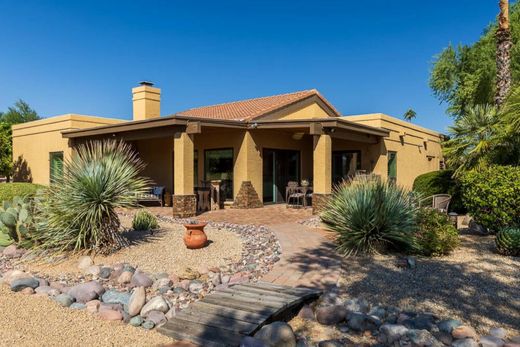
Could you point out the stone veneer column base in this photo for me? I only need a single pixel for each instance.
(319, 201)
(247, 197)
(184, 205)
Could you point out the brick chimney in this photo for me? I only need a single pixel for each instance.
(146, 101)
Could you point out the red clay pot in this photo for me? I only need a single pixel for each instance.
(195, 237)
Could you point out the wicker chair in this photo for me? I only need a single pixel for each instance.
(439, 202)
(293, 193)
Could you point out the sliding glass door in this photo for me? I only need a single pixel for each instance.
(218, 165)
(344, 165)
(279, 167)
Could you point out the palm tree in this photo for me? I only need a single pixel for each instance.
(503, 54)
(409, 115)
(472, 139)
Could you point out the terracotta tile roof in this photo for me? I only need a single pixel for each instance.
(245, 110)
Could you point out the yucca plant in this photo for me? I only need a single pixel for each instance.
(144, 220)
(78, 211)
(371, 216)
(508, 241)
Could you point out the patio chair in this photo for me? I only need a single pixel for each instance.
(293, 193)
(155, 194)
(439, 202)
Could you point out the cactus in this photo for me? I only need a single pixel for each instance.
(15, 216)
(508, 241)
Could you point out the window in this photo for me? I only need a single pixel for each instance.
(345, 164)
(196, 168)
(56, 166)
(392, 166)
(218, 165)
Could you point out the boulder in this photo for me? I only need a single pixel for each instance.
(277, 334)
(86, 291)
(330, 315)
(155, 304)
(25, 282)
(115, 297)
(64, 300)
(110, 315)
(491, 341)
(85, 262)
(464, 331)
(140, 279)
(393, 332)
(136, 301)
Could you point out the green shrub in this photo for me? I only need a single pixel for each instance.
(10, 190)
(144, 220)
(371, 216)
(79, 210)
(440, 182)
(492, 196)
(436, 235)
(508, 241)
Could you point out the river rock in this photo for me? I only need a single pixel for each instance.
(136, 321)
(155, 304)
(331, 343)
(464, 343)
(421, 338)
(105, 272)
(501, 333)
(125, 277)
(277, 334)
(136, 301)
(12, 251)
(93, 306)
(330, 315)
(161, 283)
(46, 290)
(110, 315)
(195, 287)
(157, 317)
(115, 297)
(463, 332)
(27, 291)
(140, 279)
(248, 341)
(64, 300)
(491, 341)
(77, 306)
(362, 322)
(393, 332)
(357, 305)
(447, 325)
(306, 313)
(85, 262)
(21, 283)
(86, 291)
(93, 270)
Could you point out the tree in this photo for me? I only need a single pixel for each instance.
(409, 115)
(465, 75)
(503, 54)
(21, 112)
(473, 139)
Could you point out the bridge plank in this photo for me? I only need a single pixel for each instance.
(246, 316)
(216, 321)
(200, 333)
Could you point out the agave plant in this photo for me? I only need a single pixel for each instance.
(508, 241)
(144, 220)
(371, 216)
(79, 210)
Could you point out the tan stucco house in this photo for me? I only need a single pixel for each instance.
(254, 147)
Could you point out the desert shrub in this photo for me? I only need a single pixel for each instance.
(79, 210)
(440, 182)
(144, 220)
(371, 216)
(436, 235)
(16, 222)
(8, 191)
(507, 241)
(492, 196)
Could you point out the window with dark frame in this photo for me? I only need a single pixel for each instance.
(56, 166)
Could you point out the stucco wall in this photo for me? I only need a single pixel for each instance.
(418, 149)
(157, 155)
(34, 141)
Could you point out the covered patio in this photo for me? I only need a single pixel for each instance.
(247, 164)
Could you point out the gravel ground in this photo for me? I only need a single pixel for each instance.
(162, 251)
(38, 321)
(473, 284)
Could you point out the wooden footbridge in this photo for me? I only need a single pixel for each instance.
(224, 317)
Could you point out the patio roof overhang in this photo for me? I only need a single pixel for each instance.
(169, 125)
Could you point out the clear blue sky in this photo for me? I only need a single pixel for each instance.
(364, 56)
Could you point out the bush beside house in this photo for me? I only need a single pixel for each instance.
(441, 182)
(10, 190)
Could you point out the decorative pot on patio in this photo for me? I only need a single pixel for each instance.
(195, 237)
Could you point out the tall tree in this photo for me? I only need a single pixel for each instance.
(21, 112)
(409, 115)
(503, 55)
